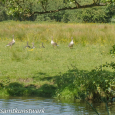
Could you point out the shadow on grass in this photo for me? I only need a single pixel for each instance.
(73, 84)
(17, 89)
(41, 76)
(95, 84)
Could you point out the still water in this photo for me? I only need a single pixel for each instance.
(44, 106)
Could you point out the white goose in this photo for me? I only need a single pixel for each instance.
(53, 43)
(11, 43)
(71, 43)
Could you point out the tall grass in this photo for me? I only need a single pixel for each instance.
(82, 33)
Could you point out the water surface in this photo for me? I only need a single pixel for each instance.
(45, 106)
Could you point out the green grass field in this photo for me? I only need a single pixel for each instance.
(40, 65)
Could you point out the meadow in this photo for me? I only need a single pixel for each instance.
(41, 68)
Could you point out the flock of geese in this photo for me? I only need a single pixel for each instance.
(54, 44)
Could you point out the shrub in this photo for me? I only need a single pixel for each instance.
(112, 51)
(94, 85)
(15, 89)
(95, 15)
(65, 18)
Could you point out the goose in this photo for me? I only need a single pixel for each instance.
(43, 46)
(11, 43)
(27, 45)
(53, 43)
(33, 46)
(71, 43)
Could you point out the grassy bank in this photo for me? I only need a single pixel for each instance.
(37, 71)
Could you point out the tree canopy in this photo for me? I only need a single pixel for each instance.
(27, 8)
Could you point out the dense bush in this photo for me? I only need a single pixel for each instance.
(96, 15)
(96, 84)
(90, 15)
(112, 51)
(17, 89)
(3, 15)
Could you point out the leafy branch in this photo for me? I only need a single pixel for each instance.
(69, 8)
(23, 7)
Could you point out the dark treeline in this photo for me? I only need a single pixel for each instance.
(104, 14)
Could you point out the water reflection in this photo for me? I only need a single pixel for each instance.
(52, 107)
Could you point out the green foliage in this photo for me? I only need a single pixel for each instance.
(65, 18)
(15, 89)
(25, 9)
(86, 85)
(96, 15)
(91, 15)
(57, 16)
(108, 1)
(110, 10)
(112, 51)
(3, 15)
(1, 85)
(47, 90)
(40, 18)
(20, 10)
(99, 83)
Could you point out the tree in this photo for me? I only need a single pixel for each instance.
(94, 15)
(27, 8)
(65, 18)
(3, 15)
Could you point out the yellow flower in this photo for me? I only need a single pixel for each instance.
(31, 50)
